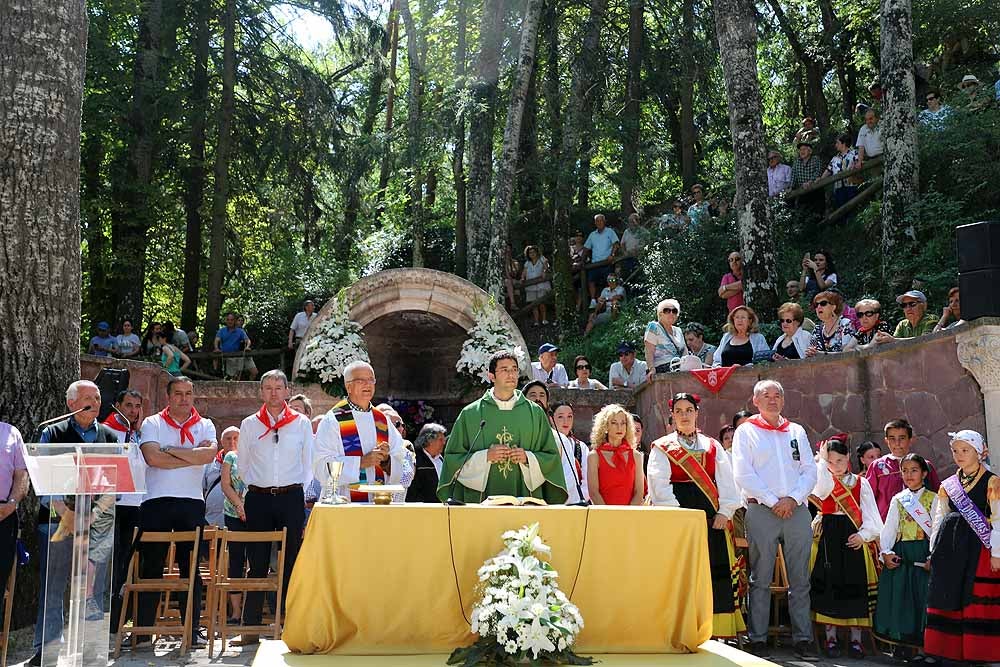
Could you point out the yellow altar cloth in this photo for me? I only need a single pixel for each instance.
(400, 579)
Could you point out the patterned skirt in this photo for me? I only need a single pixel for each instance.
(972, 632)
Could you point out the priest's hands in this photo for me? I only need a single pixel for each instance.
(502, 453)
(376, 456)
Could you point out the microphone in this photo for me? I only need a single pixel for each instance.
(451, 487)
(579, 489)
(41, 425)
(128, 424)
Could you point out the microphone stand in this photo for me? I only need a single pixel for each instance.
(128, 424)
(579, 489)
(451, 487)
(41, 425)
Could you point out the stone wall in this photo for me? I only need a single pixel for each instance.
(920, 380)
(226, 403)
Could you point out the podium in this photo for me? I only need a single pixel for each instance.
(84, 478)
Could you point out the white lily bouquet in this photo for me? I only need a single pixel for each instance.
(336, 342)
(490, 334)
(522, 617)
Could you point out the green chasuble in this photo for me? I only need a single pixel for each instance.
(525, 426)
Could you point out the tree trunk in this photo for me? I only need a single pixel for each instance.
(815, 70)
(194, 172)
(578, 111)
(386, 167)
(838, 39)
(738, 50)
(42, 64)
(689, 162)
(220, 201)
(530, 206)
(415, 138)
(482, 121)
(458, 157)
(503, 198)
(551, 91)
(630, 119)
(898, 125)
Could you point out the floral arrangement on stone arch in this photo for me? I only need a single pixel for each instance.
(490, 334)
(336, 342)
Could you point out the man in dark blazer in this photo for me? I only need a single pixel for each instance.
(429, 446)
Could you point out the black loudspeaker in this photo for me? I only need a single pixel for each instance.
(978, 246)
(979, 269)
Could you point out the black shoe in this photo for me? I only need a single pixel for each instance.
(855, 651)
(805, 651)
(759, 649)
(36, 660)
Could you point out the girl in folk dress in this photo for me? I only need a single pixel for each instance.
(692, 470)
(844, 577)
(614, 467)
(963, 600)
(901, 612)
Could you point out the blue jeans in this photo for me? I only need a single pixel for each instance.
(54, 563)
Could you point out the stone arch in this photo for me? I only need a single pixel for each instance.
(415, 309)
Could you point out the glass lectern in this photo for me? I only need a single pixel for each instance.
(80, 482)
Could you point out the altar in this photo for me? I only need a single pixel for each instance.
(401, 579)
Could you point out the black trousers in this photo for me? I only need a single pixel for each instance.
(166, 514)
(126, 521)
(237, 550)
(267, 512)
(8, 546)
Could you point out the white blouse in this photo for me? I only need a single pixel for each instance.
(890, 531)
(871, 520)
(661, 491)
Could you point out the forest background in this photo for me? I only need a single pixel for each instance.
(227, 167)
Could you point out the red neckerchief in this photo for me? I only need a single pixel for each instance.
(617, 452)
(184, 428)
(287, 417)
(220, 455)
(761, 423)
(113, 423)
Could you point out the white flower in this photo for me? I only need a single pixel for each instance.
(510, 647)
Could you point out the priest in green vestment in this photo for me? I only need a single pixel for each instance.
(516, 454)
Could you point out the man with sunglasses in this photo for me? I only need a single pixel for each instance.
(916, 320)
(275, 462)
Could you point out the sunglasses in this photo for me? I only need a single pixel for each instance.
(821, 304)
(787, 321)
(397, 424)
(909, 304)
(868, 313)
(583, 367)
(669, 310)
(931, 98)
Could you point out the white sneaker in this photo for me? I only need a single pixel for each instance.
(593, 304)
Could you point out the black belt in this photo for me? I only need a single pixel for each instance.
(274, 490)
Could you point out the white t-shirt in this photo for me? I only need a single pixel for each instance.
(179, 482)
(301, 322)
(871, 140)
(125, 344)
(137, 463)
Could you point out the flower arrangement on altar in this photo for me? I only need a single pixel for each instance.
(522, 616)
(490, 334)
(336, 342)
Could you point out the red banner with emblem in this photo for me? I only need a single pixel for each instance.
(714, 378)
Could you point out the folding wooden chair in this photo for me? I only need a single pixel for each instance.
(8, 605)
(208, 570)
(779, 593)
(135, 584)
(272, 582)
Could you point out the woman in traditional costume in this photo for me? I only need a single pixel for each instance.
(614, 467)
(901, 612)
(844, 578)
(690, 469)
(963, 600)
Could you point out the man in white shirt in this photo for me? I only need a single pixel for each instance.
(300, 323)
(869, 141)
(775, 471)
(177, 444)
(358, 435)
(275, 462)
(627, 372)
(547, 369)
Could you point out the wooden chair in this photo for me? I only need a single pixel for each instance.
(170, 583)
(8, 605)
(226, 585)
(208, 570)
(779, 594)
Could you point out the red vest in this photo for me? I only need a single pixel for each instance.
(707, 458)
(830, 506)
